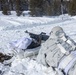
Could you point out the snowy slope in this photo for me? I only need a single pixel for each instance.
(13, 27)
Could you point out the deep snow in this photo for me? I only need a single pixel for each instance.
(13, 27)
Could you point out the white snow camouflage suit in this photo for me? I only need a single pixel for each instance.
(59, 51)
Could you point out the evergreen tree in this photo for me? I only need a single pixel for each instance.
(18, 7)
(72, 7)
(36, 7)
(56, 7)
(24, 5)
(0, 5)
(47, 7)
(11, 4)
(5, 6)
(52, 7)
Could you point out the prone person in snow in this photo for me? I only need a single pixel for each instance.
(26, 43)
(59, 52)
(33, 41)
(24, 47)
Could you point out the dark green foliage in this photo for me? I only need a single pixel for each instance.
(18, 8)
(24, 4)
(36, 7)
(11, 4)
(72, 7)
(39, 7)
(56, 7)
(45, 7)
(53, 7)
(17, 5)
(5, 7)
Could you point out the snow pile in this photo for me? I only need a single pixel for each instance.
(27, 67)
(3, 69)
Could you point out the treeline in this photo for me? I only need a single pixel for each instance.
(39, 7)
(6, 6)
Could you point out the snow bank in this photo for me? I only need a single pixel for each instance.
(28, 67)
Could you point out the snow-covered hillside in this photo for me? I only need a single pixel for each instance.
(13, 27)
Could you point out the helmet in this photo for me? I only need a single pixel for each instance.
(57, 32)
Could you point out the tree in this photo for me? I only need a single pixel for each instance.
(56, 7)
(11, 4)
(72, 7)
(24, 5)
(5, 6)
(18, 7)
(47, 6)
(52, 7)
(0, 5)
(36, 7)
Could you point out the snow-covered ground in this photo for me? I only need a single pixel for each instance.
(13, 27)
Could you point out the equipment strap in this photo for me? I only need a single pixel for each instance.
(67, 62)
(69, 41)
(63, 50)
